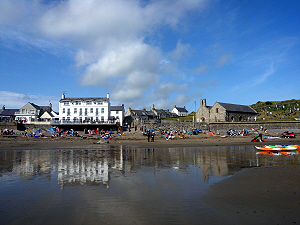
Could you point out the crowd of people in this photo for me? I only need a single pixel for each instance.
(7, 132)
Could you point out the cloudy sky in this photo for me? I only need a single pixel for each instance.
(145, 52)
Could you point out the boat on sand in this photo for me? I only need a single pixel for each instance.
(277, 148)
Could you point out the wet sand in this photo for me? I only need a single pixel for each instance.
(136, 139)
(267, 195)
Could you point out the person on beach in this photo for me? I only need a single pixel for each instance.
(148, 134)
(152, 136)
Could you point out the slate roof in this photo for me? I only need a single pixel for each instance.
(84, 99)
(8, 112)
(181, 109)
(116, 108)
(142, 113)
(237, 108)
(34, 105)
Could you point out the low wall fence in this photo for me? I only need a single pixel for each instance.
(222, 126)
(187, 125)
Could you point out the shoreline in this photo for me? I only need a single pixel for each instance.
(137, 139)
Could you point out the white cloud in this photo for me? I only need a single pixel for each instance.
(163, 91)
(181, 50)
(223, 60)
(108, 36)
(13, 100)
(201, 69)
(271, 70)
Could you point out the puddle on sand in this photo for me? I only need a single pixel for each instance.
(117, 184)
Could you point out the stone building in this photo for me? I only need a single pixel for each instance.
(139, 115)
(224, 112)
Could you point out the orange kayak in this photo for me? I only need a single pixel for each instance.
(277, 148)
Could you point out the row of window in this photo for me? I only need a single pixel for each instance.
(86, 102)
(80, 119)
(80, 111)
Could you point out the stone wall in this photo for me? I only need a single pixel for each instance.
(188, 125)
(223, 126)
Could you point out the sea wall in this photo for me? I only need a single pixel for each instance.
(223, 126)
(179, 125)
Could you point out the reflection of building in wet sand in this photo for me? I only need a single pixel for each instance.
(30, 163)
(82, 167)
(213, 162)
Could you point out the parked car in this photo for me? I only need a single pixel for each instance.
(287, 134)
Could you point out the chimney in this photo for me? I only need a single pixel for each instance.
(203, 102)
(174, 106)
(50, 106)
(3, 107)
(107, 96)
(63, 96)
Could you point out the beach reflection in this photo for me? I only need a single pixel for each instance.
(94, 166)
(118, 184)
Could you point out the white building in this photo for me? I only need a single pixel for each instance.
(84, 109)
(32, 112)
(180, 111)
(118, 112)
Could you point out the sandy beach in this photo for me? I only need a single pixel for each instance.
(137, 139)
(265, 195)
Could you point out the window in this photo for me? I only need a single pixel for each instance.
(88, 102)
(102, 110)
(102, 118)
(97, 119)
(97, 113)
(117, 112)
(63, 118)
(91, 110)
(68, 118)
(217, 110)
(78, 103)
(68, 112)
(80, 112)
(66, 103)
(75, 110)
(85, 111)
(100, 103)
(31, 111)
(64, 110)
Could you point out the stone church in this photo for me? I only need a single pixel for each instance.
(224, 112)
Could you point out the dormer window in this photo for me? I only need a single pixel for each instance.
(88, 102)
(100, 103)
(66, 103)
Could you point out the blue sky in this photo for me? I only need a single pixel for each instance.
(166, 53)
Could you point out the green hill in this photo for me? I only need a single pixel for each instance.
(278, 110)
